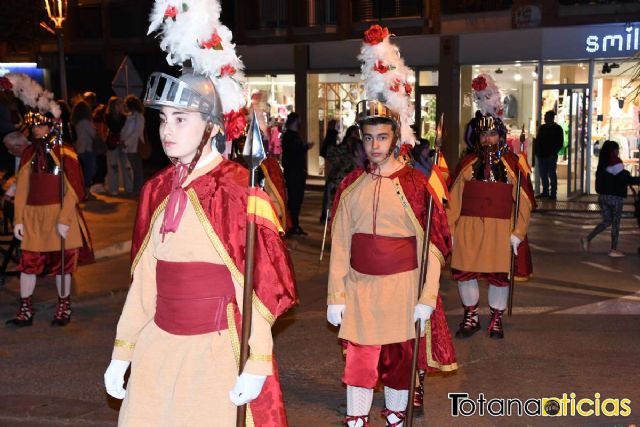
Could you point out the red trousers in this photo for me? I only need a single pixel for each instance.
(496, 279)
(391, 363)
(34, 262)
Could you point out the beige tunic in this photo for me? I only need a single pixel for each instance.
(40, 222)
(482, 244)
(379, 309)
(179, 380)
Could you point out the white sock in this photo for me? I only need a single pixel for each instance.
(395, 400)
(27, 284)
(67, 288)
(469, 292)
(359, 400)
(498, 297)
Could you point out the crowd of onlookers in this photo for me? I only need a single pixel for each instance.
(108, 139)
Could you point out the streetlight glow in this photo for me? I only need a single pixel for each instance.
(57, 11)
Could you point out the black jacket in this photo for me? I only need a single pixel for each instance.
(550, 140)
(615, 185)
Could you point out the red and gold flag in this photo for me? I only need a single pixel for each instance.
(437, 186)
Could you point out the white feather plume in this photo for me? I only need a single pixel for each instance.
(389, 87)
(489, 99)
(185, 27)
(33, 95)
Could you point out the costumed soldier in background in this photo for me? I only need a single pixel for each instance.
(45, 217)
(480, 213)
(378, 221)
(180, 326)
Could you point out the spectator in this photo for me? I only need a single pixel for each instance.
(612, 180)
(294, 163)
(132, 135)
(117, 164)
(81, 120)
(91, 99)
(547, 146)
(100, 148)
(340, 157)
(330, 141)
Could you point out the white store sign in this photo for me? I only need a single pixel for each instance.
(626, 42)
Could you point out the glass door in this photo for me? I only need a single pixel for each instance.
(570, 103)
(426, 117)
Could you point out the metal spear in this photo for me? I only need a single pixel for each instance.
(512, 269)
(253, 155)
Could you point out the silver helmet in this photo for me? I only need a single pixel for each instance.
(188, 92)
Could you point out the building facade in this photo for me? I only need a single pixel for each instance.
(576, 57)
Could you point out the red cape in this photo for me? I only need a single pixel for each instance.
(440, 354)
(524, 262)
(75, 179)
(222, 197)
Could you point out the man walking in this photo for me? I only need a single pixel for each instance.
(547, 146)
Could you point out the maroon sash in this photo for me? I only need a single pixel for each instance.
(192, 297)
(487, 199)
(44, 189)
(383, 255)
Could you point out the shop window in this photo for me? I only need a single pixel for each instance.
(373, 10)
(428, 78)
(312, 13)
(518, 84)
(474, 6)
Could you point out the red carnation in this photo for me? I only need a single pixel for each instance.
(215, 42)
(395, 87)
(375, 34)
(235, 123)
(380, 67)
(5, 84)
(171, 12)
(407, 88)
(404, 150)
(479, 83)
(227, 70)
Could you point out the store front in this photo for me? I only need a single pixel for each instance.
(583, 74)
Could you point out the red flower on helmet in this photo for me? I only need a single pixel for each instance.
(380, 67)
(395, 87)
(215, 42)
(479, 83)
(407, 88)
(171, 12)
(5, 84)
(404, 150)
(375, 34)
(227, 70)
(235, 123)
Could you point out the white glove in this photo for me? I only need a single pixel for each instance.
(515, 242)
(114, 378)
(422, 312)
(63, 230)
(335, 313)
(247, 388)
(18, 231)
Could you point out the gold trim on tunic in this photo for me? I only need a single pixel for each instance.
(125, 344)
(145, 242)
(261, 357)
(430, 362)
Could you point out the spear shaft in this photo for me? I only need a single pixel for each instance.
(512, 268)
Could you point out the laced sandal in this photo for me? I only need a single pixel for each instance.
(63, 312)
(355, 419)
(418, 395)
(24, 316)
(401, 415)
(495, 327)
(470, 322)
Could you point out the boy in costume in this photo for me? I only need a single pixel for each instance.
(378, 222)
(47, 214)
(181, 323)
(480, 213)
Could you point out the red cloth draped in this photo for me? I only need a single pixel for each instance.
(414, 186)
(365, 364)
(222, 193)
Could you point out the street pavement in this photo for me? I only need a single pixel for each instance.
(575, 329)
